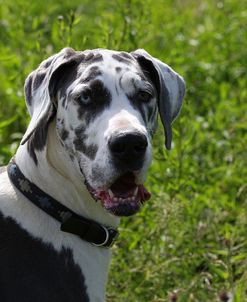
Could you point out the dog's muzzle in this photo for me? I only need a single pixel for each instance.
(125, 195)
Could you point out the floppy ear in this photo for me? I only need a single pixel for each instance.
(39, 92)
(170, 87)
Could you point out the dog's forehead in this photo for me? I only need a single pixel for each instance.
(112, 68)
(108, 62)
(113, 56)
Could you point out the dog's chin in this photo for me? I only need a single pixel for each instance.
(123, 197)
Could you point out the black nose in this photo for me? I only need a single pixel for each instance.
(128, 149)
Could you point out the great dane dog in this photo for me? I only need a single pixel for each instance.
(80, 166)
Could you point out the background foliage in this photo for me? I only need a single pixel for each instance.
(189, 242)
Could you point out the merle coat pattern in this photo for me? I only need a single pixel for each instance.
(88, 144)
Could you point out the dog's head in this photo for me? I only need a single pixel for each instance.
(106, 106)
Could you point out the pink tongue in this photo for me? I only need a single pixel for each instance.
(124, 186)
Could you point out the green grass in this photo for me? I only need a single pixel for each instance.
(189, 242)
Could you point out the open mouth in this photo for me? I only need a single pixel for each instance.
(124, 197)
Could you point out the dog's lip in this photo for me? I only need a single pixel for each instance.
(123, 197)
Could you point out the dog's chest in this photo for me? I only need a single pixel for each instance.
(38, 262)
(34, 270)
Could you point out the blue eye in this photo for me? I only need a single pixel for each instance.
(85, 96)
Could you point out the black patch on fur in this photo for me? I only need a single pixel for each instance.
(126, 55)
(118, 69)
(100, 99)
(122, 58)
(69, 52)
(92, 58)
(116, 90)
(32, 270)
(90, 151)
(71, 157)
(133, 82)
(64, 134)
(120, 82)
(37, 140)
(89, 56)
(63, 101)
(38, 79)
(94, 72)
(48, 62)
(97, 58)
(80, 131)
(139, 106)
(79, 143)
(28, 89)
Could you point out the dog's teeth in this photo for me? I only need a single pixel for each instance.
(110, 193)
(136, 191)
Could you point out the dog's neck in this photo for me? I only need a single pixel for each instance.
(56, 175)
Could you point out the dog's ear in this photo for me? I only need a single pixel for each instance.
(40, 90)
(170, 88)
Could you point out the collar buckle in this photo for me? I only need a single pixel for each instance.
(110, 238)
(89, 230)
(106, 237)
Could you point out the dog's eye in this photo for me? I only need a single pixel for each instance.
(144, 96)
(84, 97)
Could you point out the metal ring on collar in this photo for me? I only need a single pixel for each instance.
(106, 240)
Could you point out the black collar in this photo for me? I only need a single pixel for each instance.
(86, 229)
